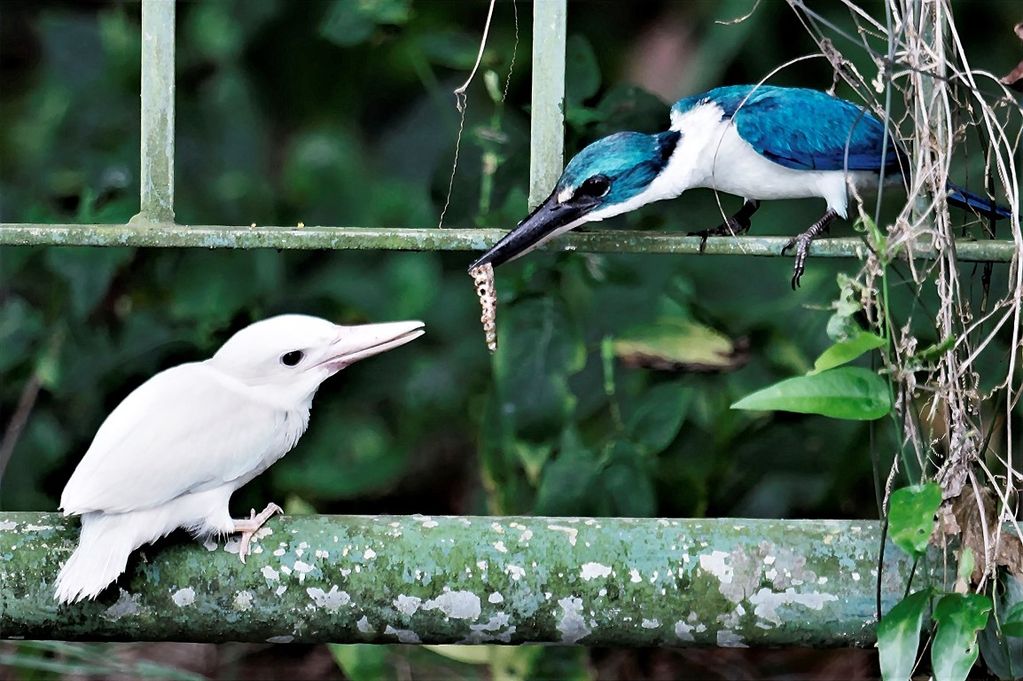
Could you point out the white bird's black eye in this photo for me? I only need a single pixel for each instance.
(594, 187)
(290, 359)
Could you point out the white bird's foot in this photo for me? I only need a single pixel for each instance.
(249, 526)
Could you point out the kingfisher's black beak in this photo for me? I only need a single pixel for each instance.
(542, 224)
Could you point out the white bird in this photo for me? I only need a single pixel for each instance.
(172, 453)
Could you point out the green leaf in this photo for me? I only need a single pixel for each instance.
(627, 107)
(213, 301)
(464, 654)
(964, 572)
(565, 663)
(898, 636)
(674, 344)
(214, 31)
(582, 73)
(658, 417)
(630, 492)
(87, 272)
(515, 663)
(911, 516)
(933, 352)
(538, 349)
(350, 22)
(451, 48)
(296, 505)
(1012, 622)
(412, 284)
(851, 393)
(841, 324)
(21, 331)
(846, 351)
(371, 461)
(48, 365)
(47, 438)
(493, 85)
(567, 480)
(533, 456)
(959, 618)
(1003, 653)
(877, 237)
(362, 661)
(580, 116)
(628, 488)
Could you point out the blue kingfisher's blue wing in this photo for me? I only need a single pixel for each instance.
(801, 128)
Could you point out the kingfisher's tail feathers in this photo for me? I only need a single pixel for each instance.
(963, 198)
(101, 556)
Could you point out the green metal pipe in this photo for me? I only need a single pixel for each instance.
(433, 239)
(157, 154)
(412, 579)
(547, 118)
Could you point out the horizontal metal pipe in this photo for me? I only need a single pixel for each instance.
(386, 579)
(435, 239)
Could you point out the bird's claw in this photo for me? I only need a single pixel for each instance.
(797, 274)
(703, 239)
(802, 243)
(251, 525)
(791, 242)
(732, 226)
(802, 246)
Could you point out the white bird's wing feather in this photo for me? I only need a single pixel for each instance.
(184, 430)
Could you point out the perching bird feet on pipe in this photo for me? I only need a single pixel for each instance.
(249, 526)
(734, 225)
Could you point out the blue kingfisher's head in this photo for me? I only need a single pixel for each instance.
(607, 178)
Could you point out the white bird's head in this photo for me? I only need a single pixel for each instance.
(292, 354)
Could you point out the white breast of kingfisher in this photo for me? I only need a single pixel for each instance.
(711, 154)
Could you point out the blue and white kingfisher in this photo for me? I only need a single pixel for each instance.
(759, 142)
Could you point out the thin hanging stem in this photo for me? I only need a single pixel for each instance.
(460, 104)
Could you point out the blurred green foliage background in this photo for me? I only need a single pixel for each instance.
(341, 113)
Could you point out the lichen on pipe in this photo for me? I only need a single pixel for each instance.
(412, 579)
(167, 235)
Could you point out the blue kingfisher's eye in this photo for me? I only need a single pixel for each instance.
(594, 187)
(290, 359)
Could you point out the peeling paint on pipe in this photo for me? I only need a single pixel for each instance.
(386, 579)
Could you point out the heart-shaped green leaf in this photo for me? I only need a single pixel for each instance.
(898, 636)
(1012, 621)
(846, 351)
(851, 393)
(673, 344)
(911, 516)
(959, 618)
(658, 417)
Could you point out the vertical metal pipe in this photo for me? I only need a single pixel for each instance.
(157, 155)
(547, 134)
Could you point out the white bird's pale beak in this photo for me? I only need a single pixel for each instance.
(358, 342)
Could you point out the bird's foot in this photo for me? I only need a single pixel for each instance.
(732, 226)
(249, 526)
(802, 245)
